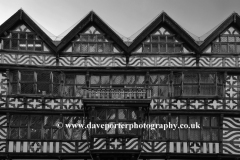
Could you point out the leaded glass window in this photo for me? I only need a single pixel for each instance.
(92, 41)
(35, 82)
(74, 84)
(162, 42)
(188, 128)
(159, 84)
(112, 116)
(37, 127)
(227, 42)
(197, 84)
(22, 39)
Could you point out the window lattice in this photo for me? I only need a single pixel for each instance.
(162, 42)
(228, 42)
(92, 41)
(37, 127)
(209, 128)
(22, 39)
(115, 116)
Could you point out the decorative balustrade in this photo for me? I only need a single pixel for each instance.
(117, 93)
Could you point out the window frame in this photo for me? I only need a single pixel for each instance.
(19, 40)
(18, 82)
(170, 132)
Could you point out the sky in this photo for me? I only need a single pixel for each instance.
(124, 16)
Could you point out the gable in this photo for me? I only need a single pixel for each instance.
(228, 42)
(92, 20)
(163, 20)
(161, 41)
(21, 18)
(22, 38)
(92, 40)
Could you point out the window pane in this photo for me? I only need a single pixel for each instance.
(70, 79)
(163, 91)
(80, 79)
(223, 39)
(15, 120)
(27, 88)
(162, 47)
(15, 35)
(95, 79)
(231, 48)
(105, 80)
(216, 48)
(117, 79)
(22, 35)
(92, 47)
(23, 133)
(14, 133)
(146, 48)
(22, 44)
(174, 133)
(154, 47)
(162, 39)
(238, 48)
(6, 44)
(30, 45)
(76, 47)
(183, 133)
(190, 78)
(214, 134)
(100, 47)
(214, 121)
(207, 78)
(92, 38)
(140, 79)
(100, 38)
(69, 90)
(154, 38)
(15, 45)
(27, 76)
(132, 114)
(170, 39)
(194, 133)
(224, 48)
(231, 39)
(206, 135)
(190, 90)
(170, 48)
(24, 121)
(206, 121)
(83, 38)
(84, 47)
(38, 46)
(107, 47)
(122, 114)
(208, 90)
(163, 79)
(178, 48)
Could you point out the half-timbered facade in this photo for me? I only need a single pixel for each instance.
(92, 76)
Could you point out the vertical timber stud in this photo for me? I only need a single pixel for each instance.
(148, 95)
(224, 89)
(8, 131)
(168, 133)
(8, 88)
(61, 136)
(171, 94)
(221, 134)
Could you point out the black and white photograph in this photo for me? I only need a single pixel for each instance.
(119, 79)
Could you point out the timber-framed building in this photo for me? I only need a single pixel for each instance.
(92, 75)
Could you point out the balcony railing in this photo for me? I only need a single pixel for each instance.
(116, 93)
